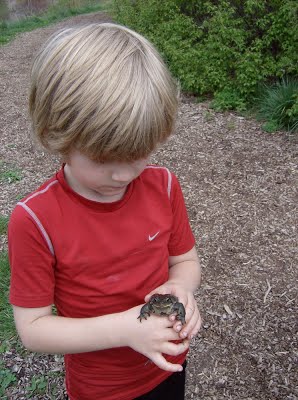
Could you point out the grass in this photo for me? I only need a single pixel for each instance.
(7, 378)
(60, 10)
(278, 106)
(44, 385)
(3, 224)
(8, 330)
(10, 176)
(38, 386)
(9, 173)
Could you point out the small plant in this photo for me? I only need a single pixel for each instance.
(20, 196)
(208, 116)
(228, 99)
(9, 173)
(270, 126)
(6, 379)
(278, 105)
(11, 176)
(38, 386)
(231, 126)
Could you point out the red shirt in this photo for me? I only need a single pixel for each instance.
(92, 259)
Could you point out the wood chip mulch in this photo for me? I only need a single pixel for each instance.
(240, 187)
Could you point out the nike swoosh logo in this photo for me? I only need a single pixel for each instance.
(153, 237)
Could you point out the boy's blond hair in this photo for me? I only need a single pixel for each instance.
(104, 90)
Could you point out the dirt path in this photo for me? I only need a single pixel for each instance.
(240, 186)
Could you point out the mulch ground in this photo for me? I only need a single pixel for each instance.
(240, 187)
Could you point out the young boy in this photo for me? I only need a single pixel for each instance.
(108, 230)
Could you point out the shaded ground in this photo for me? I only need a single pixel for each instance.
(240, 186)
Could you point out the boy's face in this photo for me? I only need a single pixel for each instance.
(103, 182)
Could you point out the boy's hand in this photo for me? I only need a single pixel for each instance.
(193, 318)
(153, 338)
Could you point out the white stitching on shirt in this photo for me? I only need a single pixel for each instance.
(40, 226)
(41, 191)
(36, 219)
(169, 177)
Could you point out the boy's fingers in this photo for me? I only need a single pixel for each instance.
(174, 349)
(162, 363)
(192, 327)
(180, 328)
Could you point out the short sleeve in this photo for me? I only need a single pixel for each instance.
(31, 262)
(182, 239)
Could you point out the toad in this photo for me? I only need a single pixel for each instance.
(163, 304)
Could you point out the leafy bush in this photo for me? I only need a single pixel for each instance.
(278, 105)
(223, 48)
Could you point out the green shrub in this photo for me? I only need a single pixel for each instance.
(229, 98)
(278, 105)
(223, 48)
